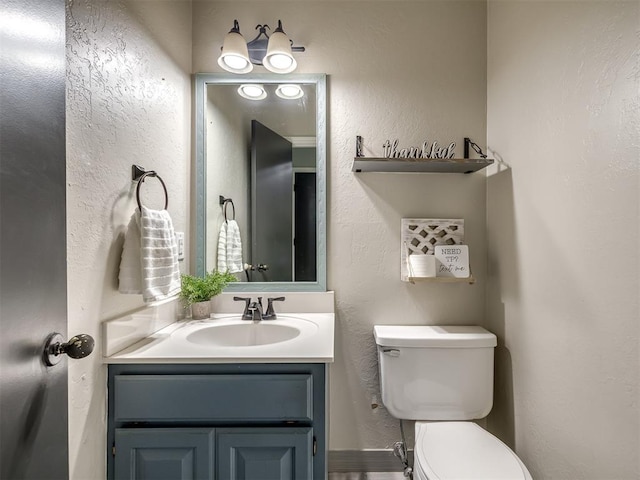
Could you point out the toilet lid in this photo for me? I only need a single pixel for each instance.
(463, 450)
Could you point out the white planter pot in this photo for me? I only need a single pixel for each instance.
(201, 310)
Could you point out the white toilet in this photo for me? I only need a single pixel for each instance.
(442, 377)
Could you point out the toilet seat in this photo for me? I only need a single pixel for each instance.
(463, 450)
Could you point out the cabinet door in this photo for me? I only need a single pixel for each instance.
(164, 453)
(264, 453)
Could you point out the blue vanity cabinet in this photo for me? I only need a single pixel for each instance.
(164, 453)
(217, 421)
(264, 453)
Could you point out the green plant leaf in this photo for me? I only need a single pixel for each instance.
(200, 289)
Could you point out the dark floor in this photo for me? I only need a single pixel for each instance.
(367, 476)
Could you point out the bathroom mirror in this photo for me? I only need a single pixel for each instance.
(262, 162)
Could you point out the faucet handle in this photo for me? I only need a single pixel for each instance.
(270, 311)
(247, 302)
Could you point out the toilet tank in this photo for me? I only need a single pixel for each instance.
(436, 372)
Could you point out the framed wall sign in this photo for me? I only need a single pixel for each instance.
(452, 261)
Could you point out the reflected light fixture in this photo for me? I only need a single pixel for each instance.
(252, 92)
(289, 91)
(274, 52)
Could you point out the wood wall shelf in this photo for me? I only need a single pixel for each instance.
(470, 280)
(419, 165)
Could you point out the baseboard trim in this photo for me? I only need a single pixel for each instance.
(381, 460)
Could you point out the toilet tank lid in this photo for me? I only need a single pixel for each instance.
(437, 336)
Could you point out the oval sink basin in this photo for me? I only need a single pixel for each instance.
(243, 335)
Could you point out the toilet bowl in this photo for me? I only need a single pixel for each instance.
(442, 377)
(463, 450)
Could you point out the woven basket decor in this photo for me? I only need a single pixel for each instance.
(419, 236)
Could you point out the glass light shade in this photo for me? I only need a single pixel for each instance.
(252, 92)
(279, 58)
(235, 56)
(289, 91)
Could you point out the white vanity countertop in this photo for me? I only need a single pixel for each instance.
(204, 341)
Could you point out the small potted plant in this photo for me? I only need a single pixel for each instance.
(198, 291)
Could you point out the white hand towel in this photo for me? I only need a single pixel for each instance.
(160, 268)
(230, 248)
(130, 276)
(149, 262)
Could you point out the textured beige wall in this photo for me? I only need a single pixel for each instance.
(563, 244)
(408, 70)
(128, 101)
(562, 114)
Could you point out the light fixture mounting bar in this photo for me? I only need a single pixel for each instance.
(258, 46)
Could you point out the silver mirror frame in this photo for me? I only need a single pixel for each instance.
(319, 80)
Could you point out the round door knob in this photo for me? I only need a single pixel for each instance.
(78, 346)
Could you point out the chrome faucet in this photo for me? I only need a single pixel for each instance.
(254, 310)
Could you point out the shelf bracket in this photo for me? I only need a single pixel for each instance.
(359, 153)
(469, 143)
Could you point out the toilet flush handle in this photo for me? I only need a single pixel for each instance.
(392, 352)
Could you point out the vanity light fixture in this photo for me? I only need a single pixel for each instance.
(235, 55)
(274, 52)
(289, 91)
(252, 91)
(279, 58)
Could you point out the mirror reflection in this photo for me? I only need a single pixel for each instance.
(261, 172)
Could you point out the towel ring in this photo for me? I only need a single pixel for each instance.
(224, 209)
(223, 203)
(164, 187)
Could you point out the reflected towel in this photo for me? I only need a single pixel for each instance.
(149, 263)
(230, 248)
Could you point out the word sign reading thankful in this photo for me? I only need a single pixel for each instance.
(391, 150)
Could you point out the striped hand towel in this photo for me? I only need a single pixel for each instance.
(149, 262)
(230, 248)
(159, 250)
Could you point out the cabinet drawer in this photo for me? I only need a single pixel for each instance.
(210, 398)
